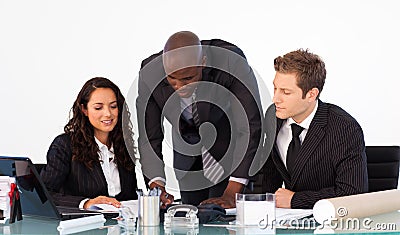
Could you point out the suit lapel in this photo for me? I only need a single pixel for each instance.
(172, 106)
(315, 134)
(124, 178)
(99, 178)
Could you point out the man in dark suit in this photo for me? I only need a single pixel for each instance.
(329, 160)
(209, 94)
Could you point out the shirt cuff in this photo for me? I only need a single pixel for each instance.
(83, 203)
(159, 180)
(243, 181)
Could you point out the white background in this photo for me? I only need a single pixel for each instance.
(48, 49)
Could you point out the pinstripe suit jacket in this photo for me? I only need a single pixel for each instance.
(331, 161)
(70, 181)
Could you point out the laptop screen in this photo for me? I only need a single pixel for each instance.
(35, 199)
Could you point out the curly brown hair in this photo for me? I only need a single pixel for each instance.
(81, 131)
(308, 67)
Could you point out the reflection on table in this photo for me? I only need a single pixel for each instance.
(385, 223)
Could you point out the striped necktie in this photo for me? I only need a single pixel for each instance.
(213, 171)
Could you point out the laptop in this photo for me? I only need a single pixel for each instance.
(35, 199)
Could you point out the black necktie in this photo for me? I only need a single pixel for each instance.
(212, 169)
(294, 147)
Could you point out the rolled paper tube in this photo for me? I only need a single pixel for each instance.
(84, 221)
(356, 206)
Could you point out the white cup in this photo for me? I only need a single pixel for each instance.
(255, 209)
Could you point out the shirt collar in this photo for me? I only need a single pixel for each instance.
(306, 122)
(103, 147)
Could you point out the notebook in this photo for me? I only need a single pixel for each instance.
(35, 199)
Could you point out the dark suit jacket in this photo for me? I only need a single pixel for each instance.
(238, 138)
(70, 181)
(331, 161)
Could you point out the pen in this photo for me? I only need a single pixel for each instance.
(139, 192)
(153, 192)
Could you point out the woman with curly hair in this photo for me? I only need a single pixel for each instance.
(93, 161)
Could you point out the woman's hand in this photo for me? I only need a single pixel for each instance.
(102, 200)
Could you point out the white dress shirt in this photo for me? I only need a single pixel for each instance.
(186, 109)
(110, 170)
(285, 133)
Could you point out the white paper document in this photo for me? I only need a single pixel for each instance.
(282, 213)
(5, 188)
(106, 208)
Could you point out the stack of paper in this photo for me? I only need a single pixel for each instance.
(107, 208)
(128, 212)
(282, 214)
(5, 188)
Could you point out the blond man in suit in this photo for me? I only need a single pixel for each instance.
(330, 159)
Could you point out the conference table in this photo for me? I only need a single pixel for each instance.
(379, 224)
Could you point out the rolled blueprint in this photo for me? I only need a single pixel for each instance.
(81, 224)
(356, 206)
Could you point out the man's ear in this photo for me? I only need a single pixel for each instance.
(312, 94)
(84, 110)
